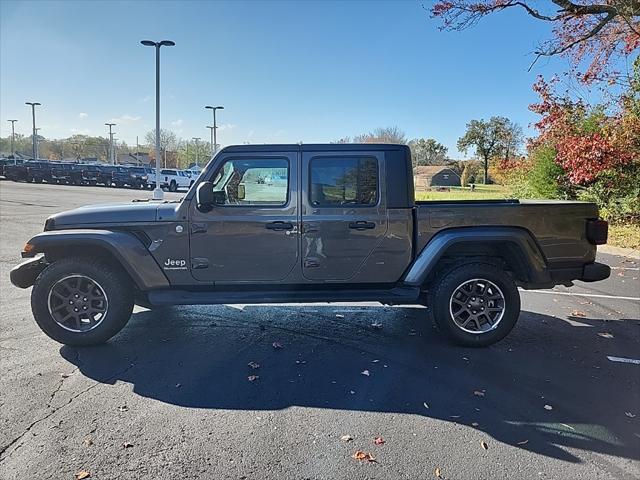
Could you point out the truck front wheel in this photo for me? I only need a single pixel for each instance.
(81, 301)
(475, 304)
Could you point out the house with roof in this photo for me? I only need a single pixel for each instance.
(425, 177)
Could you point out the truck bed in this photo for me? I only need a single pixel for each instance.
(558, 226)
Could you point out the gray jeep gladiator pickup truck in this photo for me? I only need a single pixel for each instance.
(307, 223)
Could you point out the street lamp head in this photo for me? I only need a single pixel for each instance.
(220, 108)
(148, 43)
(33, 104)
(167, 43)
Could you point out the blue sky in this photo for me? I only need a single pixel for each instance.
(285, 71)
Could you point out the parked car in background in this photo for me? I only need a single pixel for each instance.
(89, 174)
(8, 162)
(16, 172)
(63, 172)
(38, 171)
(174, 179)
(135, 177)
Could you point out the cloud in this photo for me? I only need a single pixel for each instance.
(125, 119)
(177, 123)
(83, 115)
(80, 131)
(146, 98)
(227, 126)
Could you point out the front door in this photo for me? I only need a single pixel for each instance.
(344, 213)
(250, 235)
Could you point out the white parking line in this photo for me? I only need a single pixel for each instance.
(624, 360)
(592, 295)
(635, 269)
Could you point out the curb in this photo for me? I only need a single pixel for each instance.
(625, 252)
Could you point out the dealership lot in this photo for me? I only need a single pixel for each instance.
(170, 397)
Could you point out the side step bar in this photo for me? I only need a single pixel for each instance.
(396, 295)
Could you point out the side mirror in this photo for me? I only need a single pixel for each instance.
(204, 196)
(241, 192)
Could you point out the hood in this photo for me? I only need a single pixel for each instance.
(117, 213)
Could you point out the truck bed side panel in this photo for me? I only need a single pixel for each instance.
(558, 227)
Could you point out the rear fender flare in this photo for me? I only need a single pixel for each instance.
(529, 251)
(127, 250)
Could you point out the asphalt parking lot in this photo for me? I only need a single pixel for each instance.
(170, 396)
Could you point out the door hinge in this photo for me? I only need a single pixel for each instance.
(198, 227)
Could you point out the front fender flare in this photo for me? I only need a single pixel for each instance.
(529, 250)
(127, 249)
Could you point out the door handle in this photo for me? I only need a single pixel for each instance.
(278, 226)
(362, 225)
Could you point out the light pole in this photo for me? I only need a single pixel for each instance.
(211, 132)
(197, 139)
(13, 138)
(215, 127)
(33, 135)
(37, 143)
(157, 192)
(111, 159)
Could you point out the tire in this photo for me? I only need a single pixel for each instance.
(499, 297)
(50, 295)
(173, 186)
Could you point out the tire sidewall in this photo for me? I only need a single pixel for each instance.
(456, 277)
(116, 285)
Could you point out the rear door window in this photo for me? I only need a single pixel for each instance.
(338, 181)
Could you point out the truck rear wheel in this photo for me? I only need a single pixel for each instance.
(81, 301)
(475, 304)
(173, 186)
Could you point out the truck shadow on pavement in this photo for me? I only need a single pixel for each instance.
(546, 388)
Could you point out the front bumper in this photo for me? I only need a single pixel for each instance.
(25, 274)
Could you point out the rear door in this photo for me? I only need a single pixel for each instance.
(250, 236)
(343, 212)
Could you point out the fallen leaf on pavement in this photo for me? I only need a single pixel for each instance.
(548, 407)
(605, 335)
(578, 313)
(88, 442)
(123, 408)
(437, 472)
(523, 442)
(360, 455)
(127, 445)
(276, 345)
(478, 393)
(484, 445)
(82, 474)
(253, 378)
(253, 365)
(378, 441)
(66, 375)
(365, 373)
(630, 415)
(346, 438)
